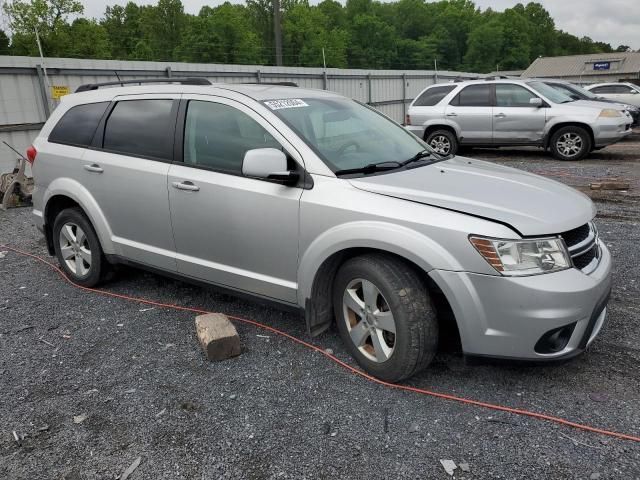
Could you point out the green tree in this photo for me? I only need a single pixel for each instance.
(48, 17)
(224, 33)
(334, 13)
(162, 26)
(123, 26)
(200, 42)
(485, 44)
(516, 46)
(372, 42)
(4, 43)
(542, 30)
(306, 32)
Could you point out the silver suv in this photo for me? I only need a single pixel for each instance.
(498, 113)
(317, 202)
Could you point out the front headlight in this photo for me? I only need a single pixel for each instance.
(523, 257)
(610, 113)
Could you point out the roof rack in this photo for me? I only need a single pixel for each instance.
(498, 77)
(282, 84)
(183, 81)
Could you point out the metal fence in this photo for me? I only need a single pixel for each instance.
(28, 89)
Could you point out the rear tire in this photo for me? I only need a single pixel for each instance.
(444, 142)
(78, 249)
(570, 143)
(385, 317)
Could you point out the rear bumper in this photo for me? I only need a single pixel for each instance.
(417, 130)
(508, 316)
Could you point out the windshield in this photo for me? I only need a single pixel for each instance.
(551, 93)
(346, 134)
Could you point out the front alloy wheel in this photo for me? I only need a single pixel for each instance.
(384, 316)
(569, 145)
(369, 320)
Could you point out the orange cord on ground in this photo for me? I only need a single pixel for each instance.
(421, 391)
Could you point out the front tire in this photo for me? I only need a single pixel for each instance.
(385, 317)
(78, 249)
(443, 142)
(570, 143)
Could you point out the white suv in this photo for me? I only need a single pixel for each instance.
(498, 113)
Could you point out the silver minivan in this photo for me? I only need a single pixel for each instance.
(500, 113)
(317, 202)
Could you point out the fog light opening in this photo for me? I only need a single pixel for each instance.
(555, 340)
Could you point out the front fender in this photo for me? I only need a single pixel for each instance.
(77, 192)
(402, 241)
(553, 122)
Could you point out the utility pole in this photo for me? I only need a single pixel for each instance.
(277, 31)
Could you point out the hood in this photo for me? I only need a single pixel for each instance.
(531, 204)
(599, 104)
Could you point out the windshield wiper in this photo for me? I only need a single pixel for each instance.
(371, 168)
(418, 156)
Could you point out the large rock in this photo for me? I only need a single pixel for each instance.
(218, 337)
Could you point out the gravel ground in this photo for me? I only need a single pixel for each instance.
(282, 411)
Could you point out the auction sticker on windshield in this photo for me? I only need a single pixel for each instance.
(285, 103)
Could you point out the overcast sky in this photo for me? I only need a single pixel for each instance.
(614, 21)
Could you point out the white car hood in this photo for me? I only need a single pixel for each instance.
(530, 204)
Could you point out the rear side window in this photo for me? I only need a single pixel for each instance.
(474, 96)
(78, 125)
(432, 96)
(141, 128)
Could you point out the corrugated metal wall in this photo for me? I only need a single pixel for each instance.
(25, 97)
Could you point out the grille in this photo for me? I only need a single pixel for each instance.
(581, 261)
(582, 245)
(577, 235)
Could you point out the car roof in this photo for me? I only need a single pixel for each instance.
(258, 92)
(481, 82)
(550, 80)
(628, 84)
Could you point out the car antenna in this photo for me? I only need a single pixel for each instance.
(118, 77)
(21, 155)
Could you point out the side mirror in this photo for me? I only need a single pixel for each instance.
(269, 164)
(535, 102)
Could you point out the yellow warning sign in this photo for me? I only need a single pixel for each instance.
(58, 91)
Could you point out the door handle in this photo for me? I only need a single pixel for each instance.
(500, 115)
(187, 185)
(95, 168)
(452, 114)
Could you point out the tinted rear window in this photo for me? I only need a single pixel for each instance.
(78, 125)
(432, 96)
(141, 128)
(474, 96)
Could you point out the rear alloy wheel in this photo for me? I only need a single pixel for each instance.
(75, 249)
(78, 249)
(384, 316)
(443, 142)
(570, 143)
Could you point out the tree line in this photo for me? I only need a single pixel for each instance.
(408, 34)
